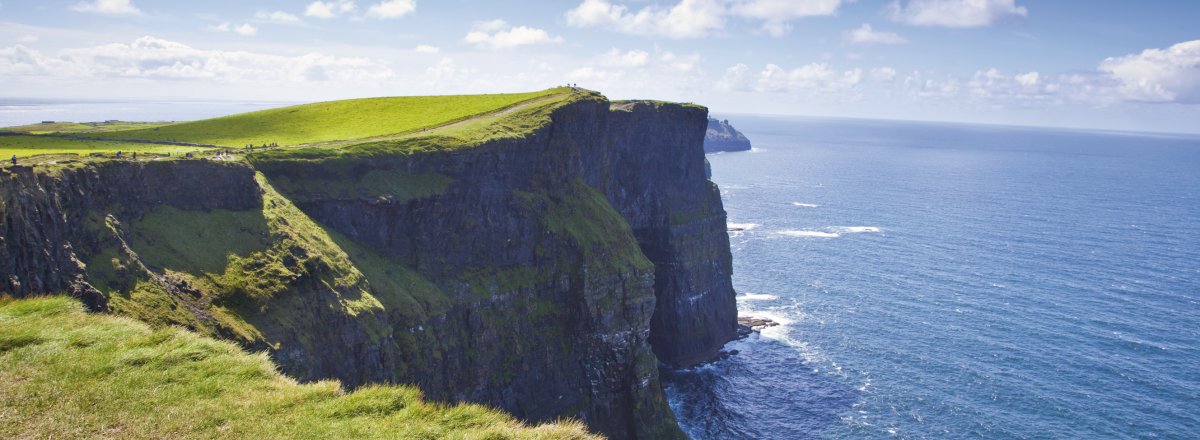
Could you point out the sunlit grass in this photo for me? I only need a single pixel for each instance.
(65, 373)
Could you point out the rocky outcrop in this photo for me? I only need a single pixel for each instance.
(721, 136)
(546, 276)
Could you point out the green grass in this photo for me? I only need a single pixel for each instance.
(81, 127)
(33, 145)
(65, 373)
(332, 121)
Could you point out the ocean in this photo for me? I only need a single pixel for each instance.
(956, 281)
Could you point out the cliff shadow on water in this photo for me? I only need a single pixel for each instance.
(547, 275)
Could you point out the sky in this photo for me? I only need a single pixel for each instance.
(1100, 64)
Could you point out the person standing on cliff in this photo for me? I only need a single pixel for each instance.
(14, 159)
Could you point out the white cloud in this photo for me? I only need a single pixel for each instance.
(882, 74)
(497, 34)
(630, 59)
(391, 9)
(696, 18)
(277, 17)
(734, 79)
(28, 38)
(866, 35)
(245, 29)
(1029, 79)
(1158, 75)
(810, 78)
(107, 7)
(687, 19)
(155, 58)
(777, 14)
(447, 70)
(956, 13)
(329, 9)
(425, 48)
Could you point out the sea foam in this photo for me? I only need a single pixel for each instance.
(805, 205)
(757, 297)
(809, 233)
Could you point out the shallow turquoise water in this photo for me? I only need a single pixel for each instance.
(953, 281)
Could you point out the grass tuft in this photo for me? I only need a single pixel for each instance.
(128, 380)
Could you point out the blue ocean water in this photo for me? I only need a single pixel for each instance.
(957, 281)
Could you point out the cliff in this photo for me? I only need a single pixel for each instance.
(545, 274)
(720, 136)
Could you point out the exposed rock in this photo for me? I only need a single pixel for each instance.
(748, 325)
(721, 136)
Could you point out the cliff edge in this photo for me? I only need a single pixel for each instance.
(545, 269)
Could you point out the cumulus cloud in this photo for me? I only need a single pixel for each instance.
(156, 58)
(777, 14)
(687, 19)
(882, 74)
(447, 70)
(866, 35)
(107, 7)
(956, 13)
(630, 59)
(813, 77)
(734, 79)
(696, 18)
(245, 29)
(328, 9)
(391, 9)
(1158, 75)
(277, 17)
(425, 48)
(497, 34)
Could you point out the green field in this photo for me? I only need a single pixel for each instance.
(81, 127)
(31, 145)
(332, 121)
(65, 373)
(369, 126)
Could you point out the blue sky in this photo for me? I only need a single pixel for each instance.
(1094, 64)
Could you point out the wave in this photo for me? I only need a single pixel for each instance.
(809, 233)
(854, 229)
(741, 226)
(747, 296)
(805, 205)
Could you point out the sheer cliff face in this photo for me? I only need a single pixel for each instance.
(539, 275)
(655, 176)
(723, 137)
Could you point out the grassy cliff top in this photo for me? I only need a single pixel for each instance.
(383, 125)
(65, 373)
(333, 120)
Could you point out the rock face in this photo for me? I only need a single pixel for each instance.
(723, 137)
(546, 276)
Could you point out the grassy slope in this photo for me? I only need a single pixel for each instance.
(65, 373)
(81, 127)
(331, 121)
(31, 145)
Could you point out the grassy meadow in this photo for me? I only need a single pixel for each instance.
(33, 145)
(65, 373)
(332, 121)
(321, 130)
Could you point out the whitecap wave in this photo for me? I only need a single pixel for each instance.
(741, 226)
(855, 229)
(747, 296)
(809, 233)
(805, 205)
